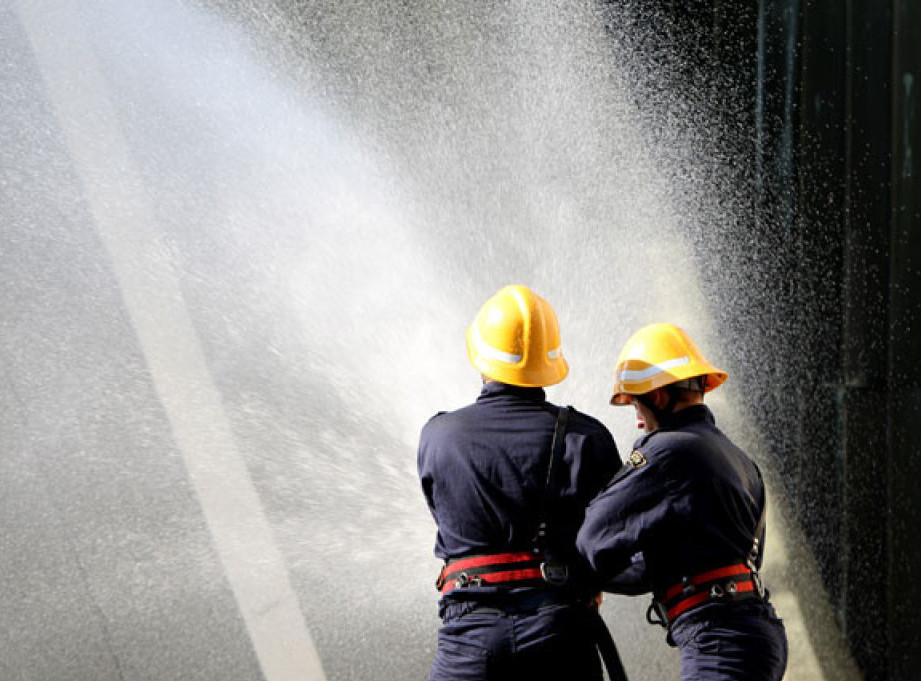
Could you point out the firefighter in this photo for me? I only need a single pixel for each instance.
(684, 518)
(507, 480)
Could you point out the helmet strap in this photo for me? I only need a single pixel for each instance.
(697, 383)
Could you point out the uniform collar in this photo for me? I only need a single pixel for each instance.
(689, 415)
(494, 389)
(699, 413)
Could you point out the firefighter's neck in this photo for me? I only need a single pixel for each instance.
(648, 419)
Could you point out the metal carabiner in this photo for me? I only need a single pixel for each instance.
(464, 580)
(661, 613)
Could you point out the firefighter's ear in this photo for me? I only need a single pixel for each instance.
(659, 397)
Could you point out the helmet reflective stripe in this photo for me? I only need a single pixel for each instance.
(489, 352)
(648, 372)
(553, 354)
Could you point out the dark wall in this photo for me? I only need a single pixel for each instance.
(857, 223)
(819, 102)
(904, 348)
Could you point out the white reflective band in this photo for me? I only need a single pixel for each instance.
(648, 372)
(489, 352)
(553, 354)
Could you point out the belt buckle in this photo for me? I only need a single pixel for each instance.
(556, 574)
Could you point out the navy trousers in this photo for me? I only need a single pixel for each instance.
(547, 643)
(744, 643)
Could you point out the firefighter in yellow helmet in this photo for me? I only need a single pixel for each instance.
(507, 479)
(684, 518)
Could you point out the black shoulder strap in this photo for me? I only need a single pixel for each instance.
(759, 530)
(556, 451)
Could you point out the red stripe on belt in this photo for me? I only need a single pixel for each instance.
(725, 583)
(709, 576)
(686, 604)
(509, 567)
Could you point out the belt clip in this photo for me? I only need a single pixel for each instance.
(463, 580)
(660, 611)
(759, 585)
(555, 574)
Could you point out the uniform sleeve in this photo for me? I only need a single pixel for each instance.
(622, 519)
(426, 477)
(606, 462)
(632, 581)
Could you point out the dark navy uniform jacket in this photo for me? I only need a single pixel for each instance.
(483, 469)
(687, 501)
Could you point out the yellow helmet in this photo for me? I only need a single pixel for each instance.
(658, 355)
(515, 339)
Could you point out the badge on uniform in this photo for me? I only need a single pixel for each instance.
(636, 459)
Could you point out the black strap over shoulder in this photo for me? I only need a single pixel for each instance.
(605, 644)
(556, 451)
(755, 553)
